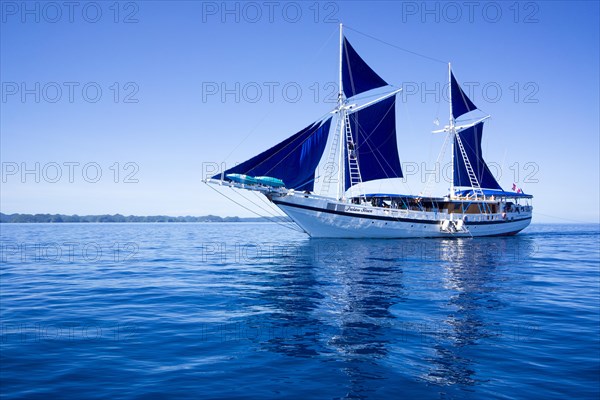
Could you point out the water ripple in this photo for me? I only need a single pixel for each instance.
(253, 310)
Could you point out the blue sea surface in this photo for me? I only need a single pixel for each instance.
(255, 310)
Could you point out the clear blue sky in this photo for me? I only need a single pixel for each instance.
(167, 113)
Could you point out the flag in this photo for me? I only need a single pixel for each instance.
(516, 189)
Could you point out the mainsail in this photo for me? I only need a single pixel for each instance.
(374, 138)
(357, 76)
(294, 160)
(471, 141)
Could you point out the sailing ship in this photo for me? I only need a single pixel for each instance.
(362, 147)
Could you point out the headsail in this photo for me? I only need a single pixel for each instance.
(461, 104)
(374, 136)
(471, 141)
(294, 160)
(357, 76)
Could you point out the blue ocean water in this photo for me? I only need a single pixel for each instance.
(254, 310)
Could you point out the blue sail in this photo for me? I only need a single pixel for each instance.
(357, 76)
(374, 136)
(461, 104)
(471, 141)
(294, 160)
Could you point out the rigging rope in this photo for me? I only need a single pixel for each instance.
(253, 130)
(252, 211)
(429, 184)
(276, 213)
(251, 202)
(397, 47)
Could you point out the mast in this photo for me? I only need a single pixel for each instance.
(355, 77)
(341, 92)
(465, 106)
(342, 116)
(452, 130)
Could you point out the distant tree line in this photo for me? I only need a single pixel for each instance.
(57, 218)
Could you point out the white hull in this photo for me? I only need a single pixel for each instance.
(325, 218)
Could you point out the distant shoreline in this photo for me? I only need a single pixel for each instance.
(118, 218)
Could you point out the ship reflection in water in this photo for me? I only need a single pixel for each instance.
(257, 312)
(391, 317)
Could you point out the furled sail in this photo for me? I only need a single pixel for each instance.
(374, 136)
(294, 160)
(471, 141)
(461, 104)
(357, 76)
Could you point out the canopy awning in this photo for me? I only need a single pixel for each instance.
(495, 193)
